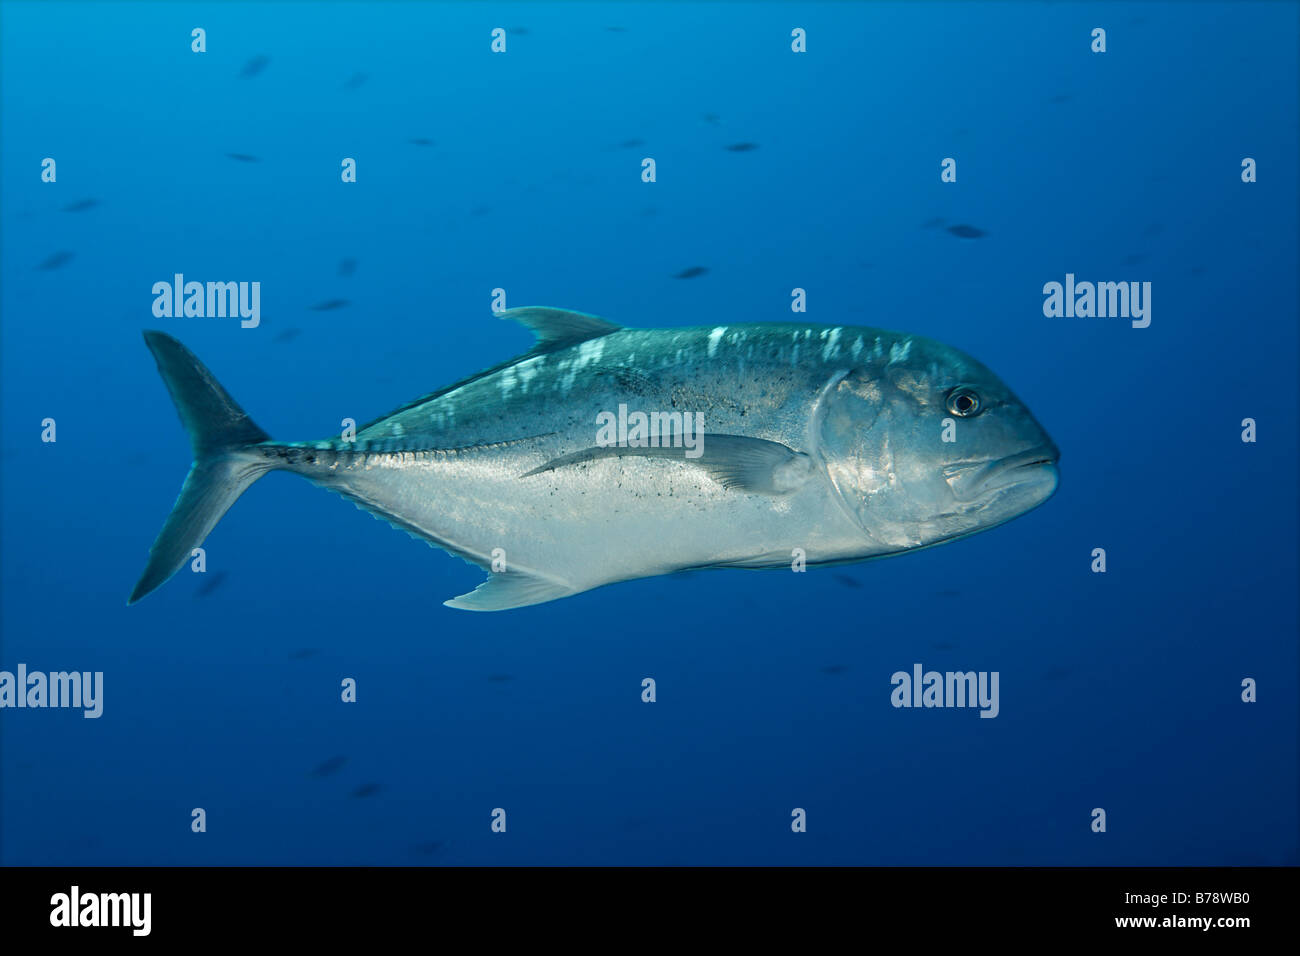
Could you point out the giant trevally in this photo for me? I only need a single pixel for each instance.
(605, 454)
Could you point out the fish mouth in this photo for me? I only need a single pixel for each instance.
(1037, 466)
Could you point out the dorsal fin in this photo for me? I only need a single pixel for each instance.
(555, 329)
(558, 328)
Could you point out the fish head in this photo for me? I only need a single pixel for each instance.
(924, 444)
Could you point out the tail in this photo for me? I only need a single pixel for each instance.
(221, 434)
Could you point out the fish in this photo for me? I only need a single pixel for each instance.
(631, 143)
(835, 669)
(741, 147)
(347, 267)
(288, 335)
(367, 790)
(420, 141)
(81, 205)
(691, 272)
(847, 581)
(329, 305)
(328, 767)
(303, 653)
(244, 157)
(56, 260)
(808, 445)
(966, 232)
(255, 66)
(211, 583)
(354, 81)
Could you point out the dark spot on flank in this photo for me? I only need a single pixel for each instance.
(255, 66)
(329, 767)
(288, 335)
(56, 260)
(329, 305)
(347, 267)
(210, 583)
(81, 205)
(834, 669)
(966, 232)
(367, 790)
(420, 141)
(354, 81)
(691, 273)
(847, 581)
(244, 157)
(741, 147)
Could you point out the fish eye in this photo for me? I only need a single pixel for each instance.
(964, 402)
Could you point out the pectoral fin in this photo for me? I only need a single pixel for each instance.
(752, 465)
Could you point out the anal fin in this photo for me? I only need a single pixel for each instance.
(505, 590)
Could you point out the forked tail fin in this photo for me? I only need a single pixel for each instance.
(221, 434)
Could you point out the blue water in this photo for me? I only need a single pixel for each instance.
(1119, 691)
